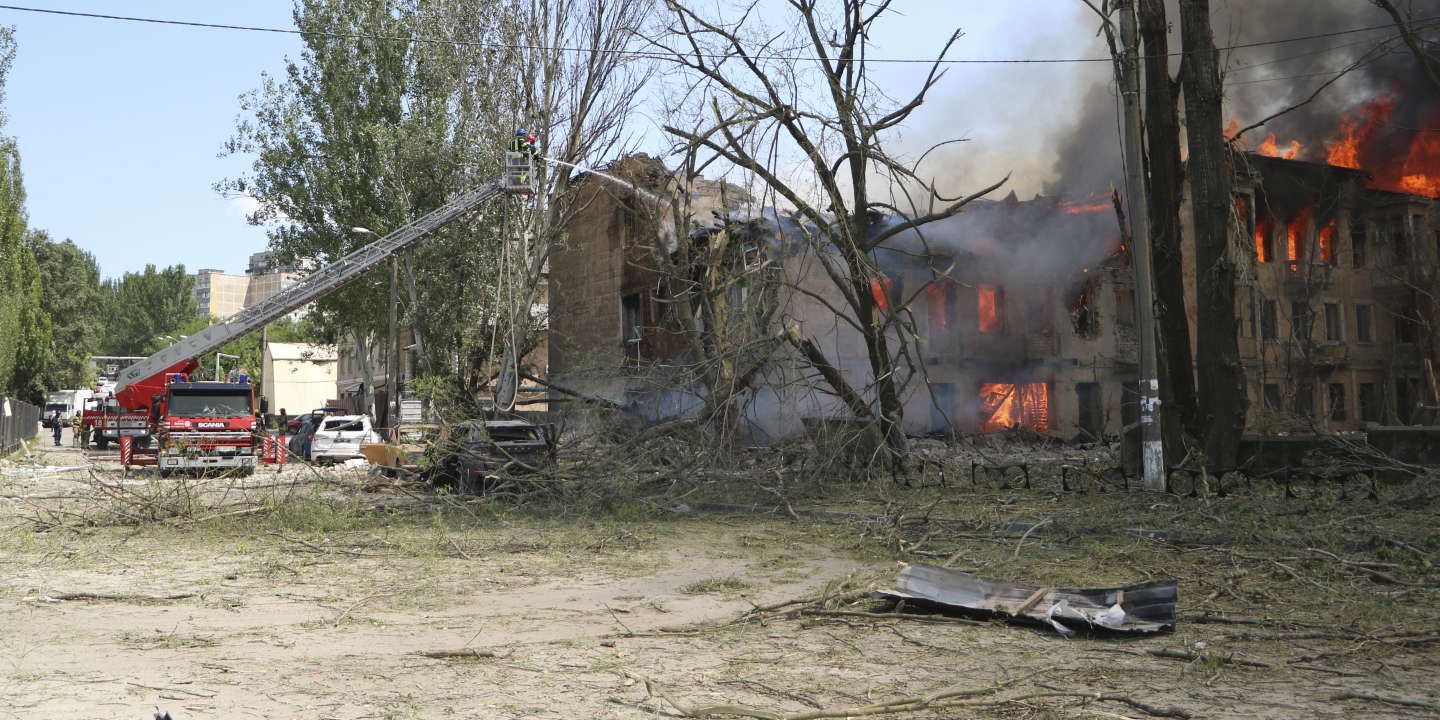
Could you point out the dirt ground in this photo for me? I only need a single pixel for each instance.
(316, 595)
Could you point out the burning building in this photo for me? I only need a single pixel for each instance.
(1014, 315)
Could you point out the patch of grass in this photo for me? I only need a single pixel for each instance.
(717, 586)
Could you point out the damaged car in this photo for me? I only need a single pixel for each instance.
(476, 449)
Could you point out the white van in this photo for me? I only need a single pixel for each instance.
(65, 402)
(339, 438)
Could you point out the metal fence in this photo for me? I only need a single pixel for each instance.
(19, 421)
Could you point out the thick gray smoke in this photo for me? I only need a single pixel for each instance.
(1056, 128)
(1042, 244)
(1263, 80)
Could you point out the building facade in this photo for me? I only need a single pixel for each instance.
(298, 377)
(220, 295)
(1015, 315)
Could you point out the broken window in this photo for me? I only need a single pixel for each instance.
(1300, 320)
(1327, 243)
(1407, 330)
(1363, 331)
(1007, 406)
(1336, 398)
(631, 325)
(1269, 320)
(1405, 392)
(1334, 329)
(1400, 245)
(1369, 401)
(940, 304)
(1091, 418)
(1083, 312)
(1124, 307)
(1271, 397)
(1264, 239)
(1357, 244)
(1295, 232)
(1305, 401)
(990, 306)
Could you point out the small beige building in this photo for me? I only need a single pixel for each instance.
(298, 377)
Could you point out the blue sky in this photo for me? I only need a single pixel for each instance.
(119, 127)
(120, 124)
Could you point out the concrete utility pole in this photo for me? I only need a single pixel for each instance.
(392, 364)
(1152, 452)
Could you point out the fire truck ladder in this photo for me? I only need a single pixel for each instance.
(314, 286)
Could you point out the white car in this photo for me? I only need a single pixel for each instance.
(339, 438)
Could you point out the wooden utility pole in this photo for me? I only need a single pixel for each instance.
(392, 363)
(1152, 453)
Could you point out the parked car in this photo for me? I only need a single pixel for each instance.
(294, 423)
(338, 437)
(475, 449)
(301, 436)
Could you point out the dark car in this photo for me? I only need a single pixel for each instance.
(300, 437)
(476, 449)
(293, 425)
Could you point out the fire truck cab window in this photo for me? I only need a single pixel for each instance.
(209, 404)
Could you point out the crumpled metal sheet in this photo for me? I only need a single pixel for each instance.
(1148, 607)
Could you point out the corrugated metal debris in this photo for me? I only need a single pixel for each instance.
(1143, 608)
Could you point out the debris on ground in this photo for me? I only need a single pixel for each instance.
(1141, 608)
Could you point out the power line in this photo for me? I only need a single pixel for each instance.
(656, 55)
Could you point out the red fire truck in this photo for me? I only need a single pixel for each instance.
(202, 426)
(126, 413)
(162, 419)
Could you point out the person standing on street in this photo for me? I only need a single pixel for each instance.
(57, 426)
(75, 425)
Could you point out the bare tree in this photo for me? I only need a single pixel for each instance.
(564, 71)
(1223, 399)
(805, 95)
(1409, 29)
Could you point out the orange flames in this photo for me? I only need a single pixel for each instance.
(1264, 228)
(880, 288)
(1327, 243)
(1270, 147)
(1295, 236)
(1420, 174)
(1232, 128)
(1006, 406)
(1415, 169)
(989, 306)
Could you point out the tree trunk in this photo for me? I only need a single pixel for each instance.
(1162, 136)
(367, 374)
(1221, 378)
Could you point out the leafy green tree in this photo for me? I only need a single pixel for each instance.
(17, 286)
(362, 132)
(74, 305)
(142, 309)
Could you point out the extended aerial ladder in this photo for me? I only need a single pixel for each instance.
(517, 180)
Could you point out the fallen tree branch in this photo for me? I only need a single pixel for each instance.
(451, 654)
(120, 597)
(1388, 700)
(907, 704)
